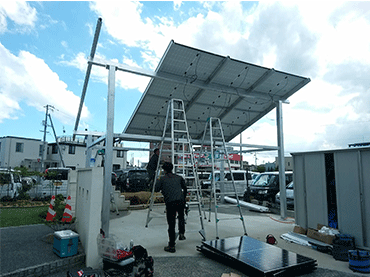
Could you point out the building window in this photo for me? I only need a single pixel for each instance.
(72, 149)
(119, 153)
(41, 150)
(19, 147)
(54, 149)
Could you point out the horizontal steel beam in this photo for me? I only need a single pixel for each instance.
(183, 80)
(146, 138)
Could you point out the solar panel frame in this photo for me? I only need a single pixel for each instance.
(210, 85)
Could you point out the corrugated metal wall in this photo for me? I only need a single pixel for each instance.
(352, 191)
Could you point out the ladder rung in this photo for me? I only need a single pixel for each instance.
(228, 218)
(179, 120)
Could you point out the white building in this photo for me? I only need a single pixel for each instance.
(288, 163)
(18, 151)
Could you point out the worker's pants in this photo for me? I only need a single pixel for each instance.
(173, 208)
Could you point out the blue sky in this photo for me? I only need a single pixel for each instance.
(44, 48)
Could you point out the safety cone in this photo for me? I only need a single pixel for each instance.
(67, 215)
(51, 213)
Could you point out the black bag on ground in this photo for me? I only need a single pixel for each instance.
(143, 262)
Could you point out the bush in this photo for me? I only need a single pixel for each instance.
(23, 196)
(59, 206)
(7, 199)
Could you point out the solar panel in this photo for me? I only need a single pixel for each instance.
(264, 259)
(210, 85)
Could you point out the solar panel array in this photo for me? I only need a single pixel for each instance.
(210, 85)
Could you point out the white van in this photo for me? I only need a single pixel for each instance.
(10, 183)
(240, 180)
(54, 182)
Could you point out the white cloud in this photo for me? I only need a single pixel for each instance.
(177, 4)
(100, 74)
(325, 41)
(27, 78)
(20, 12)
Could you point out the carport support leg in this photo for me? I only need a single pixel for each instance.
(108, 163)
(280, 139)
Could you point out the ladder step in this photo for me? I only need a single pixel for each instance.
(228, 218)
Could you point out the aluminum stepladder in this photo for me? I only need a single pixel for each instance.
(182, 158)
(219, 153)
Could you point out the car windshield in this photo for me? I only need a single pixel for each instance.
(4, 178)
(203, 176)
(137, 174)
(290, 186)
(57, 174)
(265, 180)
(237, 176)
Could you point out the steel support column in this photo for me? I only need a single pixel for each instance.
(280, 140)
(108, 162)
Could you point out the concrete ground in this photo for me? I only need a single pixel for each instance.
(24, 247)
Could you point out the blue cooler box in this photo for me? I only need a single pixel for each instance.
(65, 243)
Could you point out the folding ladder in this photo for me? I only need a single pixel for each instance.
(219, 154)
(182, 158)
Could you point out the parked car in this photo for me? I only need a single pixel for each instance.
(55, 181)
(136, 180)
(114, 179)
(254, 177)
(121, 179)
(203, 177)
(240, 180)
(289, 196)
(10, 183)
(266, 186)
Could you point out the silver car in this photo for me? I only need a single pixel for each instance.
(289, 195)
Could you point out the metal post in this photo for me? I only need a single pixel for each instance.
(108, 164)
(241, 152)
(89, 156)
(57, 142)
(280, 139)
(88, 71)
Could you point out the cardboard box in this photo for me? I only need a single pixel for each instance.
(314, 234)
(300, 230)
(319, 226)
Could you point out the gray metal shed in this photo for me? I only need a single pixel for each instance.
(332, 187)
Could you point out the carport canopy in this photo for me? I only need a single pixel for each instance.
(210, 85)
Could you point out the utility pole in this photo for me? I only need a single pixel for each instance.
(44, 141)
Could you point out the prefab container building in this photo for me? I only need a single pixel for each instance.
(332, 187)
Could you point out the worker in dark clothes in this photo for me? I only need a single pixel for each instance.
(174, 192)
(151, 168)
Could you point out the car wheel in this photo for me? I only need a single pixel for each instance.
(247, 196)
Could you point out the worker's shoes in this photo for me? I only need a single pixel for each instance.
(182, 237)
(171, 249)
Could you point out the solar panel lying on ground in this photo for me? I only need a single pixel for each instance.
(210, 85)
(258, 258)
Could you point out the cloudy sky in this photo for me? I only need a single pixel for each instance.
(44, 48)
